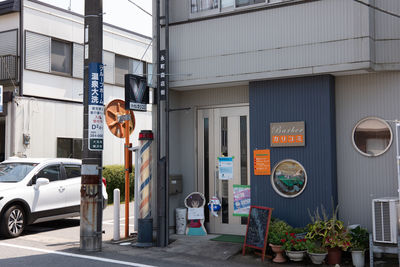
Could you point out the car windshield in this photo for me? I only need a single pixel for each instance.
(14, 172)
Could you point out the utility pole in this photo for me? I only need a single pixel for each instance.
(162, 114)
(93, 119)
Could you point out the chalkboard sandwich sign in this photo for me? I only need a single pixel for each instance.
(257, 229)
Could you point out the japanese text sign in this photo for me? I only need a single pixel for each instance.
(241, 200)
(225, 165)
(96, 107)
(287, 134)
(262, 162)
(162, 71)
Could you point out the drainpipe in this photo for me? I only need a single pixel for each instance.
(21, 46)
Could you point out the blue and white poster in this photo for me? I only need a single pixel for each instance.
(241, 200)
(225, 166)
(96, 107)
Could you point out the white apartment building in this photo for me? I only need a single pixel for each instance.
(41, 70)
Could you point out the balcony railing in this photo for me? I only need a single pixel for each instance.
(8, 69)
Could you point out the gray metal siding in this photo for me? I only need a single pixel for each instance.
(360, 178)
(37, 52)
(387, 34)
(77, 60)
(8, 43)
(308, 38)
(308, 99)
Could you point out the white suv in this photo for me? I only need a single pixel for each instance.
(37, 190)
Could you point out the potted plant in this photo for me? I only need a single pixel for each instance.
(332, 234)
(359, 243)
(316, 252)
(276, 235)
(294, 247)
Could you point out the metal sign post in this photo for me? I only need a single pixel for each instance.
(127, 165)
(92, 162)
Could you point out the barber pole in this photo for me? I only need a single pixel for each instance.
(145, 140)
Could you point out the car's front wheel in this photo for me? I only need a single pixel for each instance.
(13, 222)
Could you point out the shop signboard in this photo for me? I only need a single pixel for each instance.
(262, 162)
(225, 166)
(241, 200)
(96, 107)
(163, 77)
(284, 134)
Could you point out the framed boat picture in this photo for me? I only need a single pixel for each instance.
(289, 178)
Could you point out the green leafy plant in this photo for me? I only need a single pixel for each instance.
(277, 230)
(294, 243)
(314, 247)
(330, 232)
(359, 238)
(115, 177)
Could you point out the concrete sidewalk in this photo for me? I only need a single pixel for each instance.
(201, 251)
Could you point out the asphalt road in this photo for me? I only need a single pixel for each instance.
(56, 243)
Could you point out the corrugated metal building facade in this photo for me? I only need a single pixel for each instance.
(328, 63)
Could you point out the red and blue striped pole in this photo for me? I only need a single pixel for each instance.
(145, 140)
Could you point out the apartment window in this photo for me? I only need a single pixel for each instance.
(125, 65)
(212, 7)
(203, 5)
(69, 148)
(240, 3)
(150, 75)
(61, 57)
(121, 68)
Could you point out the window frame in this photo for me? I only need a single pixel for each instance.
(273, 174)
(130, 64)
(73, 139)
(69, 74)
(221, 10)
(60, 175)
(64, 170)
(372, 118)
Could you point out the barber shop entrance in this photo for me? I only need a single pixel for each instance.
(223, 132)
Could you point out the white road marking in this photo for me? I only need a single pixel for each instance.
(122, 219)
(122, 225)
(77, 255)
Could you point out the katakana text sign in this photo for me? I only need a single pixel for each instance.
(96, 107)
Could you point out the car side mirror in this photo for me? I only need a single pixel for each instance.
(40, 182)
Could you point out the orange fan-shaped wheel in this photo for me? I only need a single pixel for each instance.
(114, 109)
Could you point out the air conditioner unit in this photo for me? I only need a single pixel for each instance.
(384, 219)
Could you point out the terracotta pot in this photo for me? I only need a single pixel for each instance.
(277, 249)
(334, 255)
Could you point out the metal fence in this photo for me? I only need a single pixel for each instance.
(8, 68)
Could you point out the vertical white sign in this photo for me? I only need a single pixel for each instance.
(1, 98)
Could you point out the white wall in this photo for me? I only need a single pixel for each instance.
(45, 120)
(9, 21)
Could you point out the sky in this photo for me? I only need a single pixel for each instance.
(120, 13)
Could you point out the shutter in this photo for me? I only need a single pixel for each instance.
(8, 44)
(77, 61)
(38, 49)
(108, 59)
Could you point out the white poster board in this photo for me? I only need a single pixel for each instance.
(195, 213)
(225, 166)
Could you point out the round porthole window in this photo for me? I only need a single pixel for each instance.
(372, 136)
(289, 178)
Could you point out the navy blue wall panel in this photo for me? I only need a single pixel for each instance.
(308, 99)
